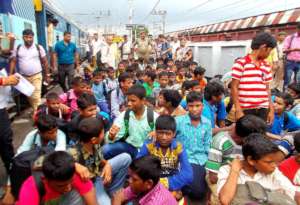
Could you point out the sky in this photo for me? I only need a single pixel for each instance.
(181, 14)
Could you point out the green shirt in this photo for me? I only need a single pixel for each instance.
(223, 150)
(138, 128)
(150, 89)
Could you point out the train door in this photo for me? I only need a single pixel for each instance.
(40, 17)
(68, 27)
(228, 55)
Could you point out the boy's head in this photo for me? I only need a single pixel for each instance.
(260, 153)
(150, 102)
(282, 102)
(47, 127)
(78, 85)
(263, 43)
(247, 125)
(169, 98)
(214, 92)
(160, 61)
(160, 68)
(53, 102)
(181, 71)
(87, 105)
(150, 77)
(170, 63)
(195, 105)
(121, 67)
(193, 66)
(195, 86)
(140, 74)
(165, 128)
(125, 81)
(97, 77)
(59, 169)
(199, 73)
(136, 97)
(172, 77)
(144, 174)
(111, 73)
(163, 79)
(294, 90)
(91, 130)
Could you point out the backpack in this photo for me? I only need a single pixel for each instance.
(254, 193)
(108, 96)
(22, 165)
(150, 119)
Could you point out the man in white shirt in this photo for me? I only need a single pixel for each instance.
(97, 44)
(109, 53)
(182, 50)
(174, 45)
(125, 48)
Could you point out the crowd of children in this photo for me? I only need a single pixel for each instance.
(165, 134)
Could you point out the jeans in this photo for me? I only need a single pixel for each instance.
(290, 68)
(198, 188)
(66, 71)
(116, 148)
(6, 134)
(119, 164)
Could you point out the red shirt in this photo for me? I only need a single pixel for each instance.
(253, 79)
(291, 169)
(29, 193)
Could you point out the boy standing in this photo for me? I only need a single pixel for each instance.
(251, 77)
(150, 82)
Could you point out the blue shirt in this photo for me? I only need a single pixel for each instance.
(210, 110)
(279, 126)
(175, 165)
(196, 140)
(99, 92)
(65, 53)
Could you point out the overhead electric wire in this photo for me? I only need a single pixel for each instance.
(152, 10)
(198, 6)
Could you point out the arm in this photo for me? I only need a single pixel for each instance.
(235, 97)
(115, 106)
(77, 60)
(12, 65)
(271, 107)
(54, 60)
(27, 143)
(90, 197)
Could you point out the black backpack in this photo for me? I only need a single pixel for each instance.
(22, 166)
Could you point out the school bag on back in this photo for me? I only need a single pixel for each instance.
(254, 193)
(22, 166)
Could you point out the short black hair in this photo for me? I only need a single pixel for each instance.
(58, 166)
(194, 97)
(213, 89)
(249, 124)
(171, 74)
(194, 63)
(257, 146)
(172, 96)
(28, 32)
(261, 39)
(295, 87)
(199, 71)
(86, 100)
(194, 83)
(151, 100)
(124, 76)
(165, 122)
(187, 85)
(138, 91)
(97, 73)
(287, 98)
(140, 73)
(89, 128)
(45, 122)
(161, 66)
(151, 74)
(77, 81)
(52, 96)
(297, 142)
(67, 33)
(163, 73)
(147, 168)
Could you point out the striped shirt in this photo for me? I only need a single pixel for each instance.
(223, 150)
(253, 79)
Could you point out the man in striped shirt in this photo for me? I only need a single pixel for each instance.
(251, 77)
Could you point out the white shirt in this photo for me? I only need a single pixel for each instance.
(109, 54)
(280, 49)
(4, 91)
(126, 48)
(96, 46)
(181, 53)
(274, 181)
(174, 45)
(29, 61)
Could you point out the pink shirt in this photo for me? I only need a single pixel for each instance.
(29, 193)
(295, 43)
(158, 195)
(69, 99)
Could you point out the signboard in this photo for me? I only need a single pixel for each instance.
(38, 5)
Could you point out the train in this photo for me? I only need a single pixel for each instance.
(216, 46)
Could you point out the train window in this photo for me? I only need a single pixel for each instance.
(27, 25)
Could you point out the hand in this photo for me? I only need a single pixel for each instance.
(213, 177)
(8, 198)
(239, 113)
(82, 171)
(65, 109)
(11, 80)
(236, 165)
(107, 174)
(113, 132)
(270, 117)
(152, 135)
(177, 195)
(118, 197)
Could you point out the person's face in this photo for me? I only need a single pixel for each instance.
(90, 111)
(170, 64)
(164, 137)
(172, 79)
(147, 79)
(181, 72)
(109, 40)
(135, 103)
(183, 43)
(49, 135)
(99, 139)
(137, 185)
(265, 165)
(292, 93)
(53, 105)
(143, 35)
(97, 79)
(173, 68)
(61, 187)
(160, 62)
(217, 99)
(163, 81)
(121, 68)
(28, 40)
(279, 105)
(67, 38)
(96, 37)
(281, 37)
(111, 74)
(161, 39)
(161, 101)
(195, 109)
(197, 88)
(264, 52)
(125, 85)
